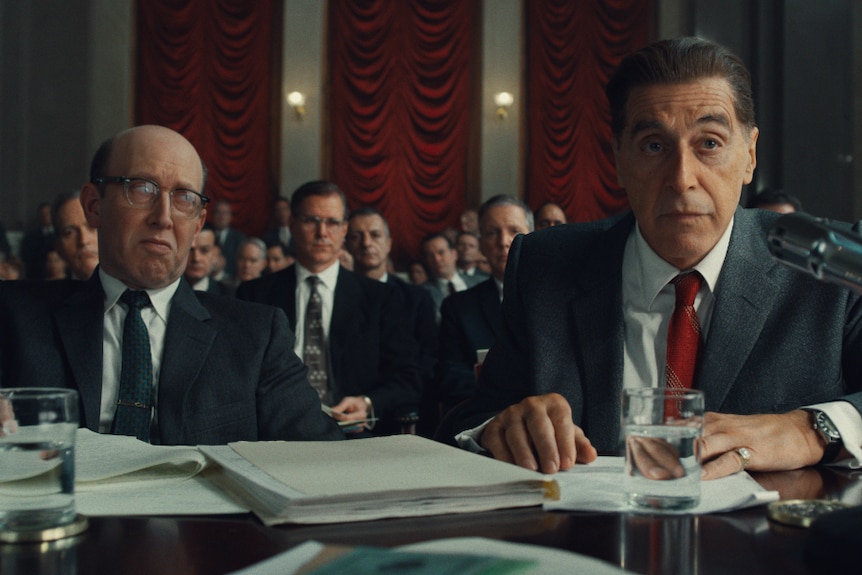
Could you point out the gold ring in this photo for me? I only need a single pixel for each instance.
(744, 456)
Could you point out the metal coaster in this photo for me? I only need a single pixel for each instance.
(79, 525)
(802, 512)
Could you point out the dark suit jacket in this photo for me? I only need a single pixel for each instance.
(229, 249)
(228, 370)
(470, 320)
(34, 248)
(371, 349)
(778, 339)
(438, 295)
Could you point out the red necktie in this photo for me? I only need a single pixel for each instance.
(683, 334)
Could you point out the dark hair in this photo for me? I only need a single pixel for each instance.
(674, 62)
(505, 200)
(369, 211)
(59, 201)
(769, 196)
(434, 236)
(316, 188)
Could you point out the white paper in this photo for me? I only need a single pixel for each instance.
(598, 486)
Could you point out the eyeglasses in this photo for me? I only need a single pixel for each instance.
(314, 221)
(141, 193)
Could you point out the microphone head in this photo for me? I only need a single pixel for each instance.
(829, 251)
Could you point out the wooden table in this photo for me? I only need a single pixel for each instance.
(738, 542)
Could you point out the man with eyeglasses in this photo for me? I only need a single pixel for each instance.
(350, 329)
(205, 369)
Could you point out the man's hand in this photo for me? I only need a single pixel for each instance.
(539, 427)
(351, 409)
(776, 442)
(654, 458)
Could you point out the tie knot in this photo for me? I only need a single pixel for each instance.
(313, 281)
(135, 299)
(687, 286)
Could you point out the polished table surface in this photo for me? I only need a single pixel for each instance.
(743, 541)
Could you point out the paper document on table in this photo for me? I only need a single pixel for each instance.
(437, 557)
(598, 486)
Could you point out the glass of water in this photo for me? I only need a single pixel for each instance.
(662, 429)
(37, 458)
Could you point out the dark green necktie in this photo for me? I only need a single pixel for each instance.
(135, 402)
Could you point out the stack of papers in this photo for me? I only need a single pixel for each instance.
(598, 486)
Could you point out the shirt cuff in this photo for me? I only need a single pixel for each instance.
(848, 421)
(469, 438)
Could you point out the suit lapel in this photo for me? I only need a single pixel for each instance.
(489, 303)
(79, 321)
(188, 340)
(345, 307)
(597, 314)
(743, 300)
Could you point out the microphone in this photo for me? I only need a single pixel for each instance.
(829, 251)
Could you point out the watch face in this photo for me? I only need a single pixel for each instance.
(825, 424)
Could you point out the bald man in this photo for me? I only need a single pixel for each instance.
(221, 370)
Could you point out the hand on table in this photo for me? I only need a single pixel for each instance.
(775, 442)
(352, 409)
(538, 428)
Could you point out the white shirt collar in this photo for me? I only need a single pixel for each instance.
(653, 273)
(160, 298)
(328, 277)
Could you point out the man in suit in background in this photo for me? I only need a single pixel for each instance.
(227, 238)
(250, 260)
(369, 242)
(350, 329)
(37, 242)
(441, 260)
(472, 319)
(467, 246)
(587, 306)
(214, 370)
(549, 215)
(76, 242)
(279, 232)
(200, 264)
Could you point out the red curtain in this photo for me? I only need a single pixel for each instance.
(400, 75)
(572, 49)
(204, 68)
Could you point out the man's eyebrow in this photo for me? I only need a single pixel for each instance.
(720, 119)
(644, 125)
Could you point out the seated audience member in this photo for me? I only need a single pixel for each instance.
(214, 369)
(250, 260)
(37, 242)
(444, 278)
(228, 239)
(548, 215)
(218, 263)
(345, 259)
(417, 273)
(200, 264)
(471, 320)
(369, 241)
(13, 269)
(467, 247)
(775, 201)
(76, 241)
(55, 267)
(277, 258)
(469, 221)
(350, 329)
(776, 352)
(279, 231)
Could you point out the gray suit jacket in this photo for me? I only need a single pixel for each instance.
(228, 370)
(778, 339)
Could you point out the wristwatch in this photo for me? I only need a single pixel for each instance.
(830, 434)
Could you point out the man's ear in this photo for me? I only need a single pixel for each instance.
(91, 201)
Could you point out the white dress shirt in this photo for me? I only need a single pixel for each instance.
(326, 289)
(457, 281)
(156, 319)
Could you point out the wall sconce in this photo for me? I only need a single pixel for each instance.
(296, 100)
(503, 100)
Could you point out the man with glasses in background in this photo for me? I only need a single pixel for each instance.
(350, 329)
(149, 356)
